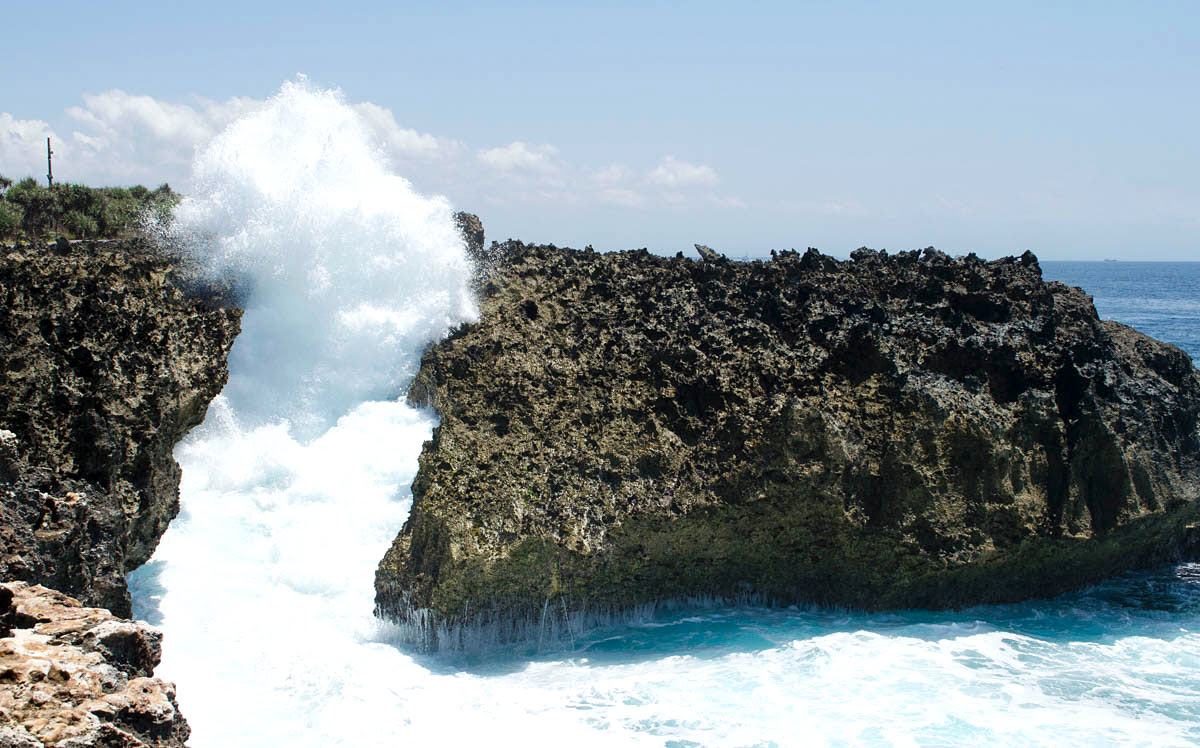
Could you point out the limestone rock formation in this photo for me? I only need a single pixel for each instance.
(77, 676)
(889, 431)
(110, 354)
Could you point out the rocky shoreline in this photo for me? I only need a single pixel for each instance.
(907, 430)
(112, 351)
(618, 430)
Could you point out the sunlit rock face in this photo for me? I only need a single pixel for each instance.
(890, 431)
(77, 676)
(111, 352)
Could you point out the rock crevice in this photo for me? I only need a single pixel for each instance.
(110, 353)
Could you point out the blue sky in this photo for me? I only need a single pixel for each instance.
(1065, 128)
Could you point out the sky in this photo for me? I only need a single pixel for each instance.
(1066, 128)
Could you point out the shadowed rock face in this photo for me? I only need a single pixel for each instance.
(890, 431)
(110, 354)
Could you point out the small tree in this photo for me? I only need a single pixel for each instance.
(80, 225)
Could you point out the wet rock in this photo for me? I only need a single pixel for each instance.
(896, 430)
(110, 354)
(77, 676)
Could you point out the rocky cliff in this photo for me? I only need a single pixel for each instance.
(893, 430)
(111, 352)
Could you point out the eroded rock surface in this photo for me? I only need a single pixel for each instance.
(894, 430)
(77, 676)
(111, 352)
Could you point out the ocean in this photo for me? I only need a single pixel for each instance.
(297, 482)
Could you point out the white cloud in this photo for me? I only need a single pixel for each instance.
(115, 137)
(120, 137)
(22, 146)
(519, 156)
(125, 137)
(727, 201)
(672, 172)
(116, 112)
(825, 207)
(401, 141)
(612, 174)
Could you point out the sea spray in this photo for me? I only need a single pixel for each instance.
(296, 483)
(350, 272)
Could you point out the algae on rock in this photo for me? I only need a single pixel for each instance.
(890, 431)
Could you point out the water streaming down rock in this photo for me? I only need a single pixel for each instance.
(908, 430)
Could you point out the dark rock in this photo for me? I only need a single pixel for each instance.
(898, 430)
(471, 229)
(110, 355)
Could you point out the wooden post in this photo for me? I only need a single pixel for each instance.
(49, 165)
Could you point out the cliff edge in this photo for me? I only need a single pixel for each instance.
(906, 430)
(111, 352)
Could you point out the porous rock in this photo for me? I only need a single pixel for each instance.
(110, 354)
(77, 676)
(890, 431)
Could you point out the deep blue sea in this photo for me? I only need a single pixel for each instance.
(1162, 299)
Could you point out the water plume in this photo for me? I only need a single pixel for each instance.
(350, 271)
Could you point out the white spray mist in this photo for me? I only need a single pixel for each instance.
(351, 271)
(297, 481)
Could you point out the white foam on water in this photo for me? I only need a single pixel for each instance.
(297, 482)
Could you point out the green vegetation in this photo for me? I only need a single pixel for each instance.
(31, 212)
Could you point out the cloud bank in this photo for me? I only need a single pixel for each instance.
(117, 137)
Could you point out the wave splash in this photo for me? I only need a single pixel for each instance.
(350, 271)
(297, 481)
(295, 485)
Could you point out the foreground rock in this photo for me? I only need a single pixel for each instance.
(76, 676)
(892, 431)
(110, 354)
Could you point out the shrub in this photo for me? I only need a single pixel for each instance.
(10, 220)
(80, 224)
(38, 205)
(79, 210)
